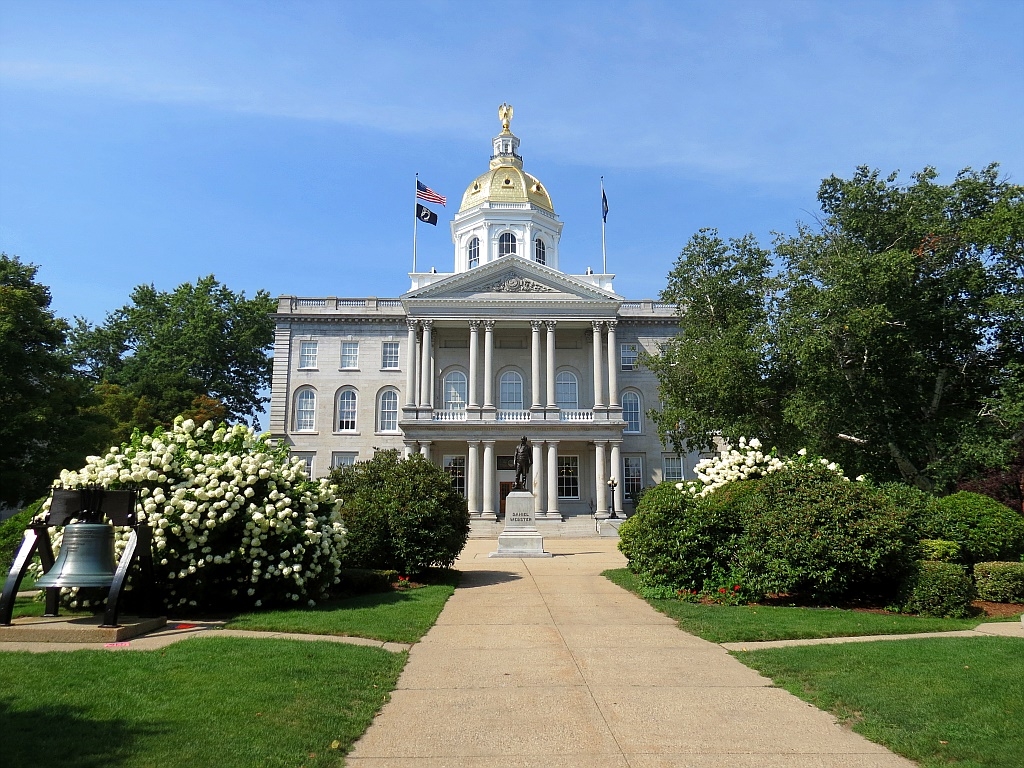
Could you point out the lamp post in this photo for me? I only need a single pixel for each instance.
(611, 493)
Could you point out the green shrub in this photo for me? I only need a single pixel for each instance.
(675, 542)
(1000, 582)
(235, 521)
(937, 589)
(920, 505)
(820, 538)
(940, 550)
(402, 514)
(985, 529)
(12, 530)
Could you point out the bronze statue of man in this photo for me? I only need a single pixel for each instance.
(523, 461)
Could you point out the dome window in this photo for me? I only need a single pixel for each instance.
(507, 244)
(508, 182)
(539, 251)
(474, 252)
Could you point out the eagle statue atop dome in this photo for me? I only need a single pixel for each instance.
(505, 115)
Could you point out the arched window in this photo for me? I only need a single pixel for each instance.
(455, 391)
(506, 244)
(510, 390)
(346, 410)
(474, 252)
(567, 391)
(631, 411)
(305, 410)
(387, 411)
(539, 251)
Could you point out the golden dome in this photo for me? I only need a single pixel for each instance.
(506, 184)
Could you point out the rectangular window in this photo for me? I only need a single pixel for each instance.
(632, 476)
(629, 354)
(455, 466)
(307, 458)
(568, 477)
(350, 354)
(389, 355)
(307, 354)
(342, 459)
(673, 468)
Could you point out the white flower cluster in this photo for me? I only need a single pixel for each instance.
(743, 462)
(233, 520)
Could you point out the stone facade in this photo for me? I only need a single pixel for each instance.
(466, 363)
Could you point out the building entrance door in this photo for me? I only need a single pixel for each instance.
(504, 489)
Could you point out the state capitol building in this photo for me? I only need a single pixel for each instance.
(466, 363)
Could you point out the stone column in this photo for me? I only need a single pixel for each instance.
(537, 481)
(410, 365)
(598, 367)
(553, 480)
(425, 449)
(488, 473)
(418, 376)
(535, 364)
(600, 481)
(616, 463)
(614, 358)
(408, 449)
(474, 346)
(473, 478)
(550, 378)
(425, 364)
(489, 364)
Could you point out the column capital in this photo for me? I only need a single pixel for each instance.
(551, 324)
(474, 325)
(473, 442)
(597, 325)
(611, 324)
(536, 324)
(427, 324)
(412, 323)
(489, 325)
(488, 442)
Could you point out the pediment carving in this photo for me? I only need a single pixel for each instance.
(512, 282)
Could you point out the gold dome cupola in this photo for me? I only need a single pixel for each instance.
(505, 211)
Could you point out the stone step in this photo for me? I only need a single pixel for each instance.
(580, 527)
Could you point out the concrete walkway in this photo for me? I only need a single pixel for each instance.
(544, 663)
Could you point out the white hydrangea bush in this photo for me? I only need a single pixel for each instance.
(745, 461)
(235, 522)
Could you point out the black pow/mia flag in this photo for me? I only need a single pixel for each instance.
(426, 215)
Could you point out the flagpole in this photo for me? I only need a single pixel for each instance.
(415, 221)
(604, 251)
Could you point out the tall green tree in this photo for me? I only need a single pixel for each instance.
(717, 376)
(43, 426)
(893, 337)
(197, 349)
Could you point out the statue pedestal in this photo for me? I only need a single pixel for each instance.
(520, 537)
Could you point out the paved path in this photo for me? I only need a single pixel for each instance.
(544, 663)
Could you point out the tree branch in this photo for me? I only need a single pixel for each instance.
(852, 439)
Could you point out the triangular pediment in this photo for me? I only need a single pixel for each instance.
(511, 279)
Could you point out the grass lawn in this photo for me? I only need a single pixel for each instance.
(399, 616)
(939, 701)
(206, 701)
(742, 623)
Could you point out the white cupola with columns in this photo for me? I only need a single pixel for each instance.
(505, 211)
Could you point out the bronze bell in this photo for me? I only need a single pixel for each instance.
(86, 558)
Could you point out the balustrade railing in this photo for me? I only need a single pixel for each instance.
(575, 415)
(512, 416)
(449, 415)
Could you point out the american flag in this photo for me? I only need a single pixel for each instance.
(423, 192)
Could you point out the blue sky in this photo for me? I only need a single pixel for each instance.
(274, 144)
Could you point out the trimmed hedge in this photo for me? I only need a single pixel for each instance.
(675, 542)
(985, 529)
(401, 514)
(822, 539)
(940, 550)
(937, 589)
(1000, 582)
(12, 530)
